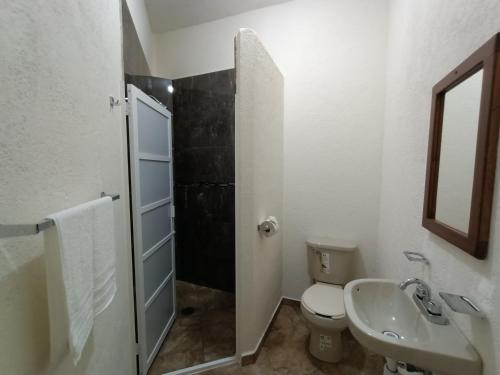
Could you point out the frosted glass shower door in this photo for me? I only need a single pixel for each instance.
(150, 152)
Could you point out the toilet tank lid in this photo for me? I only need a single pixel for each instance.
(328, 243)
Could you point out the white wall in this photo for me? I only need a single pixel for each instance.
(332, 56)
(259, 157)
(134, 59)
(139, 14)
(55, 152)
(60, 145)
(427, 39)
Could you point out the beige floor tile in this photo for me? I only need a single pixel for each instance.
(207, 334)
(285, 352)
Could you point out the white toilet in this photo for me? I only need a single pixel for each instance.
(330, 265)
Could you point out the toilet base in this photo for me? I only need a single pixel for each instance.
(326, 345)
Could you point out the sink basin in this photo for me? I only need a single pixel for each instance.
(374, 306)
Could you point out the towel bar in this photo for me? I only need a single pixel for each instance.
(16, 230)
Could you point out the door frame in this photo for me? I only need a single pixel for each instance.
(144, 360)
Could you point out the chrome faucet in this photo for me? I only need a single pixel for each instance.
(422, 297)
(423, 291)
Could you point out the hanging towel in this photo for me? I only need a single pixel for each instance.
(104, 254)
(80, 258)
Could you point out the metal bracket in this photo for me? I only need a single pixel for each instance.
(128, 110)
(113, 102)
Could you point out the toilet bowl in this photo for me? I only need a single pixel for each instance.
(322, 304)
(323, 308)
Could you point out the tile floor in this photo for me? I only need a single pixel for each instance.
(285, 352)
(207, 334)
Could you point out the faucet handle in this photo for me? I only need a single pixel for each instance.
(413, 256)
(423, 292)
(434, 308)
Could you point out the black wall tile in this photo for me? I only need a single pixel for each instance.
(204, 166)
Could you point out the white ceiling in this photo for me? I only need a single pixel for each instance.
(167, 15)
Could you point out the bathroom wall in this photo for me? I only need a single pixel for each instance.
(134, 60)
(427, 39)
(60, 145)
(332, 55)
(259, 188)
(140, 18)
(203, 135)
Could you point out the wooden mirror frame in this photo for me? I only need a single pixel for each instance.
(475, 242)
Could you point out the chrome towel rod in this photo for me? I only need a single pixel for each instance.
(16, 230)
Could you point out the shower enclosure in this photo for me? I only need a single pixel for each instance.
(203, 269)
(193, 321)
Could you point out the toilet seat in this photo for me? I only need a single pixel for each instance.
(325, 300)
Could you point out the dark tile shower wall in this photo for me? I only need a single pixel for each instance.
(204, 179)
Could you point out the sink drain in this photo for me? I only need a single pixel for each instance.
(391, 334)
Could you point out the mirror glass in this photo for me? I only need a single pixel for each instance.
(458, 150)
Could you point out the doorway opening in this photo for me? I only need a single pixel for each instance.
(181, 146)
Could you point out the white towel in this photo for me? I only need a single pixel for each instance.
(104, 254)
(80, 258)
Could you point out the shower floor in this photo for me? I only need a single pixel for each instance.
(204, 330)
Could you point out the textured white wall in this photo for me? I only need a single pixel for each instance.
(332, 56)
(60, 145)
(259, 187)
(139, 14)
(427, 39)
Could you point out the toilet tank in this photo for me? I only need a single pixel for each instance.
(330, 260)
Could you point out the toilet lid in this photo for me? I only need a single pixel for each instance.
(325, 299)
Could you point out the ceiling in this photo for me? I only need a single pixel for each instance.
(167, 15)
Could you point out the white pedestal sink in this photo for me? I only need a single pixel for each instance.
(377, 305)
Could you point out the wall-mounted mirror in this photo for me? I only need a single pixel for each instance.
(461, 160)
(458, 152)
